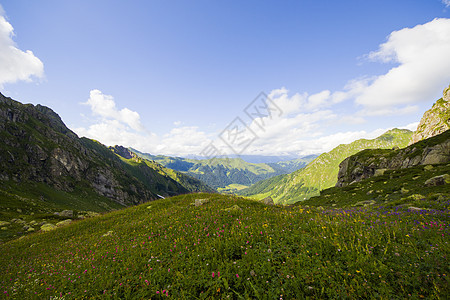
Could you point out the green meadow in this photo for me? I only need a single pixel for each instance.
(235, 248)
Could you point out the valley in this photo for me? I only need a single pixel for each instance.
(369, 219)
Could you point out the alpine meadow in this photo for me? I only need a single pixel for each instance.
(170, 150)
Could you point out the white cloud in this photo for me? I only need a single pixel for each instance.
(288, 105)
(182, 141)
(123, 127)
(15, 64)
(318, 100)
(446, 3)
(422, 55)
(327, 143)
(104, 106)
(114, 132)
(412, 126)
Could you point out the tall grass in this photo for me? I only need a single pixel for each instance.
(169, 248)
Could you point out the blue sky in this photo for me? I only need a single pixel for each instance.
(168, 77)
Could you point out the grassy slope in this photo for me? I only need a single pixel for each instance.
(170, 247)
(322, 172)
(37, 202)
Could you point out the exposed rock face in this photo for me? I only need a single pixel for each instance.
(368, 163)
(435, 120)
(124, 152)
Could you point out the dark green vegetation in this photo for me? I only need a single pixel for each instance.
(45, 168)
(170, 248)
(322, 172)
(223, 173)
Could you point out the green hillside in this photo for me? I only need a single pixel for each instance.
(233, 248)
(322, 172)
(224, 173)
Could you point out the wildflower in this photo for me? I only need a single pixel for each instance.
(213, 274)
(237, 275)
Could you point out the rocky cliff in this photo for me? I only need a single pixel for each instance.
(373, 162)
(37, 147)
(435, 120)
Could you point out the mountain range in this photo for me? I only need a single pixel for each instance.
(228, 174)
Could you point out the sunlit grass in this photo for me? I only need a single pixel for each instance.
(169, 248)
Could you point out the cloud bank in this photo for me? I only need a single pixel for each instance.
(114, 126)
(422, 55)
(15, 64)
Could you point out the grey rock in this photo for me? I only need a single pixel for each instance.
(64, 223)
(379, 172)
(234, 208)
(199, 202)
(364, 203)
(66, 213)
(48, 227)
(413, 208)
(267, 201)
(438, 180)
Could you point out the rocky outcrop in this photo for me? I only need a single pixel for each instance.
(438, 180)
(368, 163)
(430, 144)
(123, 152)
(267, 201)
(435, 120)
